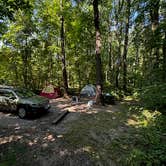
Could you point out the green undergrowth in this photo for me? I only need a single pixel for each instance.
(10, 154)
(130, 136)
(9, 159)
(153, 97)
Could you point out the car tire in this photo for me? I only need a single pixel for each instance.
(22, 113)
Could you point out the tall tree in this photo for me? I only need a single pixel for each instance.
(117, 16)
(99, 79)
(127, 24)
(163, 24)
(164, 58)
(154, 16)
(65, 81)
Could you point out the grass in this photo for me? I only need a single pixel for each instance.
(8, 160)
(127, 135)
(10, 154)
(130, 136)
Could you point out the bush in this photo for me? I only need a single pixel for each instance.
(153, 97)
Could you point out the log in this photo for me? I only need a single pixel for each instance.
(60, 117)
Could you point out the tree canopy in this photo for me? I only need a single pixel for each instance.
(132, 32)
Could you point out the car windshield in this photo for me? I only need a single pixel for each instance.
(24, 93)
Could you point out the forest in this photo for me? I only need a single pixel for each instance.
(118, 45)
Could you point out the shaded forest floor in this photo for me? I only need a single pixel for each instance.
(103, 135)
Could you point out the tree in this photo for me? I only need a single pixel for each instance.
(154, 17)
(99, 79)
(8, 9)
(65, 81)
(54, 42)
(127, 24)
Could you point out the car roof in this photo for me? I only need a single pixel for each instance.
(6, 87)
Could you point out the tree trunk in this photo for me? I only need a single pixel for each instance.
(15, 71)
(110, 58)
(164, 58)
(119, 33)
(25, 66)
(118, 64)
(117, 77)
(154, 14)
(126, 47)
(65, 81)
(99, 81)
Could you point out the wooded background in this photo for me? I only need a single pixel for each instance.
(53, 41)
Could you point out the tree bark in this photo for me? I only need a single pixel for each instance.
(110, 56)
(154, 14)
(65, 80)
(126, 46)
(164, 58)
(99, 79)
(117, 76)
(119, 33)
(25, 66)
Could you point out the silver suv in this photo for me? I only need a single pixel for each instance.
(22, 101)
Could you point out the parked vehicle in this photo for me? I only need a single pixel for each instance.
(22, 101)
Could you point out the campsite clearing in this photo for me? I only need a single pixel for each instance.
(37, 141)
(103, 135)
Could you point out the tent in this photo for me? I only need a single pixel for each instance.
(88, 91)
(50, 92)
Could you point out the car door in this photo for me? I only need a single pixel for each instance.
(8, 102)
(2, 100)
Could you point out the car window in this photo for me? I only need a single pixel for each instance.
(1, 93)
(6, 94)
(24, 93)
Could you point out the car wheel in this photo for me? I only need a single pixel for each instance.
(22, 113)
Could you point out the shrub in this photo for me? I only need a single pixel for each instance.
(153, 97)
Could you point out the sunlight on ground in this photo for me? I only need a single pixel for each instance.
(10, 138)
(50, 137)
(63, 152)
(128, 98)
(30, 143)
(62, 104)
(132, 122)
(143, 120)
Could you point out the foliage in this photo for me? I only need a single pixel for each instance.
(10, 154)
(130, 136)
(153, 97)
(30, 46)
(149, 144)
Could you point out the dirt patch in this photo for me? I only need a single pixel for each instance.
(38, 142)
